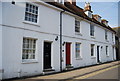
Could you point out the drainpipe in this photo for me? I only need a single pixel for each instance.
(61, 40)
(1, 69)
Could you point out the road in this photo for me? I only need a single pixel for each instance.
(108, 73)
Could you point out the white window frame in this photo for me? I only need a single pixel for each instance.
(79, 55)
(113, 51)
(106, 35)
(92, 50)
(92, 30)
(29, 49)
(107, 50)
(77, 26)
(113, 38)
(31, 13)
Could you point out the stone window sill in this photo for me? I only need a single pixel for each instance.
(93, 57)
(107, 41)
(79, 58)
(77, 33)
(31, 23)
(107, 55)
(1, 70)
(29, 61)
(92, 37)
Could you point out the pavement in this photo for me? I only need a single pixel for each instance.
(64, 76)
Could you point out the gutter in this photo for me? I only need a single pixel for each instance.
(61, 39)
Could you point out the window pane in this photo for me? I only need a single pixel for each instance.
(91, 30)
(77, 26)
(28, 48)
(92, 49)
(31, 13)
(77, 50)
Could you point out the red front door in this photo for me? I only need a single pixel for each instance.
(68, 50)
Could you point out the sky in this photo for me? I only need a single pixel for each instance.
(107, 10)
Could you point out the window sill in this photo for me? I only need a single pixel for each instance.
(107, 41)
(31, 23)
(77, 33)
(80, 58)
(93, 57)
(107, 56)
(1, 70)
(92, 37)
(29, 61)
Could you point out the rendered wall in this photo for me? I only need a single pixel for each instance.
(15, 28)
(86, 40)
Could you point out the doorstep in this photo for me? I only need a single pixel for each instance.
(48, 71)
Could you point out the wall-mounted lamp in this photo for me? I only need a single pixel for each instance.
(63, 43)
(56, 38)
(13, 2)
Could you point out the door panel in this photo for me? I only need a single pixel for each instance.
(47, 55)
(98, 56)
(68, 50)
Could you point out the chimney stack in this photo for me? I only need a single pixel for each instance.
(71, 1)
(87, 10)
(97, 17)
(87, 7)
(104, 21)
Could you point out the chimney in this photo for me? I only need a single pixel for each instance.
(73, 2)
(104, 21)
(97, 17)
(87, 10)
(87, 7)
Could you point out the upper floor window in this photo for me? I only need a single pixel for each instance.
(92, 30)
(77, 50)
(77, 26)
(112, 37)
(31, 13)
(106, 35)
(92, 49)
(29, 47)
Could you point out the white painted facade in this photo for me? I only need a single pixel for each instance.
(14, 28)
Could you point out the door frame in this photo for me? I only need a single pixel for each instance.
(51, 52)
(66, 54)
(98, 53)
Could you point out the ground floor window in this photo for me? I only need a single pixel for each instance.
(107, 50)
(29, 47)
(113, 52)
(92, 49)
(77, 50)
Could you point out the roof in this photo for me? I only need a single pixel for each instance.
(97, 15)
(117, 29)
(78, 11)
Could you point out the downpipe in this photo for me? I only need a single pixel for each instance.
(61, 13)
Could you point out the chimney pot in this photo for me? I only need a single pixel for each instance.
(73, 2)
(87, 10)
(104, 21)
(97, 17)
(87, 7)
